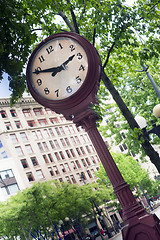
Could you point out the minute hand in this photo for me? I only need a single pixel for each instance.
(62, 66)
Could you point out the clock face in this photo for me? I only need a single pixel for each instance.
(58, 68)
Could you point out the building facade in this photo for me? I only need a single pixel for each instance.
(43, 145)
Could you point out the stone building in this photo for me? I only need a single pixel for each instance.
(36, 144)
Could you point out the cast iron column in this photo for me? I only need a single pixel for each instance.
(139, 224)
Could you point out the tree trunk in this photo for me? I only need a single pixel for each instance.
(149, 150)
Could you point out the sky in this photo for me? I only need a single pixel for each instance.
(4, 87)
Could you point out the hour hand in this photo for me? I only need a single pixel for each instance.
(54, 70)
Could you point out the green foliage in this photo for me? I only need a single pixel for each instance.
(132, 173)
(43, 205)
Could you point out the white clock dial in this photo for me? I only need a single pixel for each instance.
(58, 68)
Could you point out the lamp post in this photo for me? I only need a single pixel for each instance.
(99, 212)
(143, 125)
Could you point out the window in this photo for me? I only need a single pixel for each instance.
(73, 179)
(54, 120)
(39, 134)
(42, 122)
(73, 140)
(52, 145)
(24, 163)
(57, 131)
(34, 161)
(8, 125)
(88, 149)
(73, 165)
(45, 159)
(67, 141)
(78, 151)
(4, 154)
(68, 154)
(93, 160)
(51, 132)
(92, 171)
(45, 146)
(67, 130)
(19, 151)
(57, 156)
(29, 149)
(61, 130)
(30, 176)
(50, 157)
(89, 174)
(39, 174)
(49, 111)
(72, 152)
(18, 124)
(67, 179)
(77, 140)
(121, 148)
(34, 135)
(77, 163)
(24, 136)
(71, 128)
(62, 168)
(87, 161)
(14, 138)
(3, 114)
(10, 189)
(31, 123)
(6, 174)
(55, 170)
(27, 112)
(79, 177)
(61, 180)
(56, 143)
(63, 119)
(62, 155)
(45, 133)
(38, 111)
(80, 129)
(40, 146)
(63, 142)
(83, 162)
(82, 150)
(51, 171)
(13, 113)
(67, 167)
(123, 135)
(1, 145)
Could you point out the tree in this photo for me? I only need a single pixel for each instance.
(111, 27)
(39, 209)
(132, 173)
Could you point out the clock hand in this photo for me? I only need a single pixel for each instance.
(63, 65)
(55, 70)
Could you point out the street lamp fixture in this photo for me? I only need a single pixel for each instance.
(143, 124)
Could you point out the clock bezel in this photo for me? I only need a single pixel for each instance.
(92, 77)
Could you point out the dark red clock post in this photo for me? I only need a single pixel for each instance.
(139, 225)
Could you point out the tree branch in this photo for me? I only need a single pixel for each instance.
(69, 24)
(73, 17)
(108, 55)
(83, 11)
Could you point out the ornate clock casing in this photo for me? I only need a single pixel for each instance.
(63, 73)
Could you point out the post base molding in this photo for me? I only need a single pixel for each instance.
(143, 228)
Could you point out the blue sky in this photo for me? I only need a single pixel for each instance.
(4, 87)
